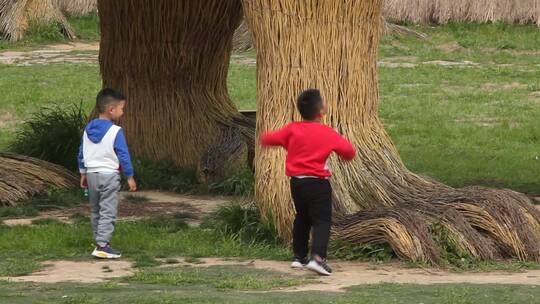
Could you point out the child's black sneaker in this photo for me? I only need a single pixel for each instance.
(106, 252)
(299, 262)
(320, 267)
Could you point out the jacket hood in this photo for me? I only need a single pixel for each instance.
(97, 129)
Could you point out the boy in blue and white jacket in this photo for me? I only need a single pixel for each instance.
(102, 154)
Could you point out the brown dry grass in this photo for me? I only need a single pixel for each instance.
(77, 7)
(444, 11)
(21, 177)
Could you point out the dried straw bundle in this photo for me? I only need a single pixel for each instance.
(444, 11)
(343, 37)
(78, 7)
(21, 177)
(17, 15)
(171, 59)
(242, 40)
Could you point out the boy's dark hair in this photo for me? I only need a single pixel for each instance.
(106, 97)
(309, 104)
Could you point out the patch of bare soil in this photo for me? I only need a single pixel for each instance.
(535, 97)
(450, 47)
(56, 53)
(81, 272)
(451, 63)
(242, 59)
(486, 122)
(158, 204)
(513, 52)
(394, 65)
(7, 120)
(347, 274)
(503, 87)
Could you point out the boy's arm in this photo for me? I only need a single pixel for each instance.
(80, 159)
(121, 148)
(344, 148)
(82, 167)
(276, 138)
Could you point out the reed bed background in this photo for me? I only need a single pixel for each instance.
(444, 11)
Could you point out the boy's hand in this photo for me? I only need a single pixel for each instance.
(84, 184)
(132, 184)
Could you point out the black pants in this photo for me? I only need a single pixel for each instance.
(313, 202)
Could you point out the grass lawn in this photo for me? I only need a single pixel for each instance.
(243, 289)
(462, 124)
(23, 248)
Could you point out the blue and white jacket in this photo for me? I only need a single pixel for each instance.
(104, 149)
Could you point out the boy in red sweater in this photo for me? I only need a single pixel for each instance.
(309, 144)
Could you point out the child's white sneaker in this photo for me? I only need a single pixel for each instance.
(106, 252)
(320, 267)
(299, 262)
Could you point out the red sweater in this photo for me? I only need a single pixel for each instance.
(308, 145)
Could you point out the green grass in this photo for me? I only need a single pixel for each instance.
(26, 89)
(460, 125)
(86, 27)
(142, 241)
(50, 200)
(219, 277)
(18, 293)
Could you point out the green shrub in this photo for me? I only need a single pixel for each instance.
(57, 199)
(164, 175)
(240, 183)
(170, 224)
(243, 222)
(52, 134)
(364, 252)
(51, 199)
(450, 252)
(16, 212)
(45, 32)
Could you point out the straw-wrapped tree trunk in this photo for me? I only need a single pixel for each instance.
(171, 58)
(332, 45)
(17, 15)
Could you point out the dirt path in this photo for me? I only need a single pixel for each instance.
(87, 53)
(154, 204)
(80, 272)
(76, 53)
(346, 274)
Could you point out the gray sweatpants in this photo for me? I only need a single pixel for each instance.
(103, 194)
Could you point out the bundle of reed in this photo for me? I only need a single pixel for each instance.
(444, 11)
(242, 40)
(226, 153)
(22, 177)
(17, 15)
(77, 7)
(333, 46)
